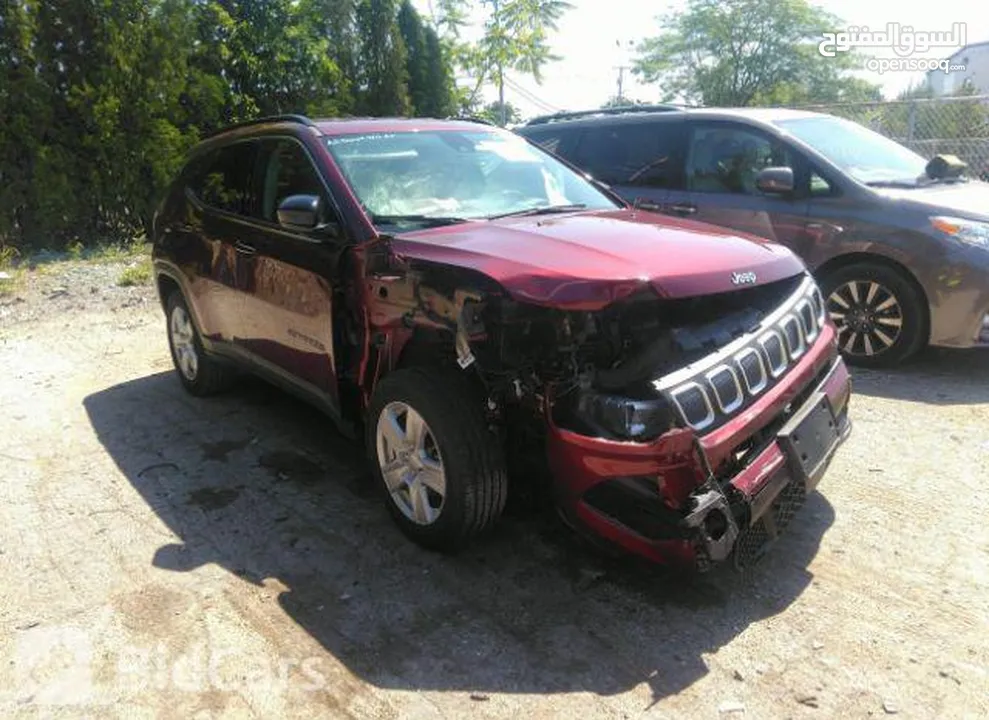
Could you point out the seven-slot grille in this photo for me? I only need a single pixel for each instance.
(710, 391)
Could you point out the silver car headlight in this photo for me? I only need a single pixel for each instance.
(971, 232)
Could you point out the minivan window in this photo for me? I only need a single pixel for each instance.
(727, 159)
(637, 155)
(224, 181)
(862, 153)
(548, 141)
(457, 175)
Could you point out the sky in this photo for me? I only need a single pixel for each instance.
(596, 36)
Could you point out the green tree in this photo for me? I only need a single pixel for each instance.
(430, 81)
(498, 114)
(516, 37)
(414, 36)
(745, 52)
(615, 102)
(101, 99)
(382, 89)
(25, 111)
(440, 84)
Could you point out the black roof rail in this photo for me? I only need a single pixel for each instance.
(470, 118)
(301, 119)
(620, 110)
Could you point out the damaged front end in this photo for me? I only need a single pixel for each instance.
(662, 421)
(700, 444)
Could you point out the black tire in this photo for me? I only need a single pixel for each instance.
(865, 327)
(476, 485)
(211, 375)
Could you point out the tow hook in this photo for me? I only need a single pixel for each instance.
(711, 517)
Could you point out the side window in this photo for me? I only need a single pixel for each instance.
(638, 155)
(224, 179)
(288, 171)
(550, 141)
(819, 186)
(725, 159)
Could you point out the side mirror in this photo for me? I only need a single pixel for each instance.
(299, 212)
(775, 180)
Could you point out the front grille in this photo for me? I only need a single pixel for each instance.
(712, 390)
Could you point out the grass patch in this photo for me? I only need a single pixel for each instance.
(77, 252)
(138, 273)
(10, 275)
(10, 281)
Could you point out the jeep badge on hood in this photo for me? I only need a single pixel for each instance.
(743, 278)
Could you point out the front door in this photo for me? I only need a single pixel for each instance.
(723, 160)
(289, 297)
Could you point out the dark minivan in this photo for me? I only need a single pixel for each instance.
(900, 245)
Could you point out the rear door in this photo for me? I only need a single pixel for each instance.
(287, 322)
(642, 160)
(219, 198)
(723, 160)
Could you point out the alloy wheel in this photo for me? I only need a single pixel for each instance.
(410, 463)
(868, 316)
(183, 336)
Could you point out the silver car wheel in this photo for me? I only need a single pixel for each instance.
(183, 336)
(410, 463)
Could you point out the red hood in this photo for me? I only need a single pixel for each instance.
(588, 260)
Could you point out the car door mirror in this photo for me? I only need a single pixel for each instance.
(300, 212)
(775, 181)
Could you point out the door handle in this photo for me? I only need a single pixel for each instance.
(684, 209)
(641, 204)
(244, 249)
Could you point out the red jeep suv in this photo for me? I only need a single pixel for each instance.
(470, 304)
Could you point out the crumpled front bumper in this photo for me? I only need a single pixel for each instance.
(611, 488)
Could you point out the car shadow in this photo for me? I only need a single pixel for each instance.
(937, 376)
(263, 486)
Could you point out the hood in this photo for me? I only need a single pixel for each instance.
(587, 260)
(969, 200)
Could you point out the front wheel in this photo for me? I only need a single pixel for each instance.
(878, 312)
(438, 465)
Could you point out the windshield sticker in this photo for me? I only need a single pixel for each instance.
(350, 139)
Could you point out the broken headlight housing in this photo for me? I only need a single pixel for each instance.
(624, 418)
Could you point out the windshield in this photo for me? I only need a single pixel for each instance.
(421, 177)
(867, 156)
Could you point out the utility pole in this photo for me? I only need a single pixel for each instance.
(621, 69)
(621, 81)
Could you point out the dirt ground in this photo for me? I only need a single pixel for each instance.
(169, 557)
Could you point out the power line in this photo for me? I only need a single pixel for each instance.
(530, 96)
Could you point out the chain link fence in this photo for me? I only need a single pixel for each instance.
(950, 125)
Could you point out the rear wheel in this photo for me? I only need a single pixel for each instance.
(439, 466)
(878, 312)
(200, 374)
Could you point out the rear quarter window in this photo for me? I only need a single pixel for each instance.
(632, 154)
(558, 141)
